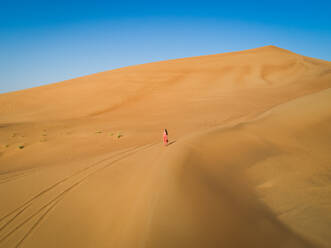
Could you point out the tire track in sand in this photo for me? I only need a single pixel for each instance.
(59, 182)
(11, 176)
(52, 195)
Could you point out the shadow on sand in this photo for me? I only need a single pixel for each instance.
(172, 142)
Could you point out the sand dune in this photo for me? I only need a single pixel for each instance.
(82, 164)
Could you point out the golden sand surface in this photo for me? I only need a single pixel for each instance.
(82, 162)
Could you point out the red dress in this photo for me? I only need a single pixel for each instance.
(165, 138)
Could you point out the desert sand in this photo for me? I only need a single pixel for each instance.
(82, 162)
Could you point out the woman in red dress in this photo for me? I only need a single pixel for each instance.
(165, 137)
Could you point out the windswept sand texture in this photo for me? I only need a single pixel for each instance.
(248, 165)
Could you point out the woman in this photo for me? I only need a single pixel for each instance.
(165, 137)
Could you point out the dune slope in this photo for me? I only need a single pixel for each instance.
(82, 164)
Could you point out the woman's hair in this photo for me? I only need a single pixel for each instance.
(166, 131)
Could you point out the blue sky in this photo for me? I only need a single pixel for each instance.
(43, 42)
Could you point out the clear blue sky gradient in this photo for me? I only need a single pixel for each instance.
(43, 42)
